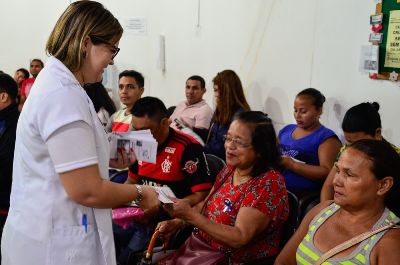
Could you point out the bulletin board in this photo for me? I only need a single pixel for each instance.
(389, 47)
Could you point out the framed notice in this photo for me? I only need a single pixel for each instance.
(385, 27)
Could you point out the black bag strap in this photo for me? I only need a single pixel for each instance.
(226, 172)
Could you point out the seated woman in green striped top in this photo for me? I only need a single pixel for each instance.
(366, 184)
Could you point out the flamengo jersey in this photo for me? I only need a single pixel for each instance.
(180, 165)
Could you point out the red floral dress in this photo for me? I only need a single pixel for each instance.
(266, 193)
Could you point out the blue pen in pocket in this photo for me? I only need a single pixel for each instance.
(84, 222)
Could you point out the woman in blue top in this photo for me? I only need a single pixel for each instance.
(230, 99)
(308, 148)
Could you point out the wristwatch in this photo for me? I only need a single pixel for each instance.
(139, 196)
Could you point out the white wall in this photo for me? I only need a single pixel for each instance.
(278, 47)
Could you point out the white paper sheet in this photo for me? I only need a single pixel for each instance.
(141, 142)
(164, 194)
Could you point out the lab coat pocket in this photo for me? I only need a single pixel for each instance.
(74, 245)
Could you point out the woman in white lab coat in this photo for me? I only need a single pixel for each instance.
(60, 197)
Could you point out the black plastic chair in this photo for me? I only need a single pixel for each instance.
(170, 110)
(289, 228)
(119, 176)
(307, 202)
(293, 220)
(215, 165)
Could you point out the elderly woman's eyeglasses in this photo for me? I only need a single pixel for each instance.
(114, 49)
(236, 141)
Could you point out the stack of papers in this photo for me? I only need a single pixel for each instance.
(142, 143)
(165, 194)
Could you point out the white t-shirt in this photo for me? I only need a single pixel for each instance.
(44, 225)
(197, 115)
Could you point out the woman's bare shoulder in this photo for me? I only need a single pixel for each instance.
(386, 250)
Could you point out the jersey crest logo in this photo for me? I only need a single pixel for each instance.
(166, 165)
(170, 150)
(191, 166)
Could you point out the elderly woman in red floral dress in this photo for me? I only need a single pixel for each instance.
(248, 205)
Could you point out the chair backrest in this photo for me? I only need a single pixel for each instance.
(289, 228)
(215, 165)
(170, 110)
(307, 202)
(119, 176)
(293, 219)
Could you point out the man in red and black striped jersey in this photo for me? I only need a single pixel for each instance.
(180, 162)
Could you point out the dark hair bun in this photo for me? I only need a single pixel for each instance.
(375, 105)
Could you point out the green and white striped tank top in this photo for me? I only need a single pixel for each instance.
(307, 254)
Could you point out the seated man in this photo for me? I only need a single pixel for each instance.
(8, 124)
(180, 165)
(130, 89)
(360, 122)
(194, 112)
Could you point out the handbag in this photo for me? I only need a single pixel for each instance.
(352, 241)
(195, 251)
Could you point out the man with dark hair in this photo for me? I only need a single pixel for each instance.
(193, 113)
(20, 75)
(35, 67)
(130, 89)
(180, 165)
(8, 124)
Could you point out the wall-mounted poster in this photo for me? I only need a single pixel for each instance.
(392, 56)
(386, 21)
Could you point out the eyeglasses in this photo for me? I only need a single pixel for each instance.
(236, 141)
(97, 40)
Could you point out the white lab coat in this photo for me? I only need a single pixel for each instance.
(44, 225)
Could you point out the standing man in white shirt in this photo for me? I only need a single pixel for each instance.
(194, 112)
